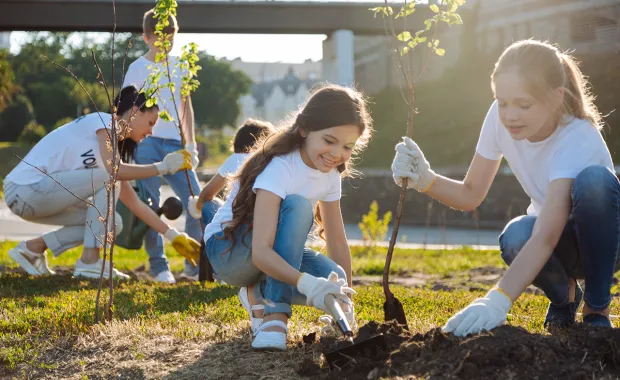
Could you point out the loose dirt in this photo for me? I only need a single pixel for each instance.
(504, 353)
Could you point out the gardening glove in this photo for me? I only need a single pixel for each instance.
(184, 245)
(192, 207)
(173, 162)
(331, 329)
(409, 162)
(193, 151)
(483, 314)
(315, 289)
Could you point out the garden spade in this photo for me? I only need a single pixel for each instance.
(340, 357)
(393, 308)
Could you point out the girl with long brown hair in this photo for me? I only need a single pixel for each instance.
(257, 239)
(545, 124)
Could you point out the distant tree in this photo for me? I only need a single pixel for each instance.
(216, 101)
(15, 117)
(8, 87)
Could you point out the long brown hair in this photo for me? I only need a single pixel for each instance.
(327, 107)
(544, 68)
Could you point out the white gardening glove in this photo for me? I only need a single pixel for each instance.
(193, 151)
(483, 314)
(315, 289)
(409, 162)
(192, 207)
(173, 162)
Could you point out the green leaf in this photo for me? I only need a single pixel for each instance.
(440, 52)
(455, 19)
(150, 103)
(165, 116)
(404, 36)
(404, 50)
(434, 8)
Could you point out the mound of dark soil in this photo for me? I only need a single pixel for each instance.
(505, 353)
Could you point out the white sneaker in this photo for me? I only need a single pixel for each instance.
(33, 263)
(270, 340)
(189, 277)
(245, 301)
(94, 270)
(165, 276)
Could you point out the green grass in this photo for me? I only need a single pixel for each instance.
(436, 262)
(47, 325)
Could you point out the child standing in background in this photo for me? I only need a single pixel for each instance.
(166, 138)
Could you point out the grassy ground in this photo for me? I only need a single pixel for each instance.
(191, 330)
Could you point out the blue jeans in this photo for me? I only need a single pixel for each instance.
(235, 267)
(209, 209)
(588, 247)
(151, 150)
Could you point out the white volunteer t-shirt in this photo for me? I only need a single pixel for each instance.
(232, 164)
(564, 154)
(74, 146)
(284, 175)
(137, 74)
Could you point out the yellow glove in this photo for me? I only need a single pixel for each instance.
(175, 161)
(184, 245)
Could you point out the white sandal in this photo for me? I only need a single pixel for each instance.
(245, 301)
(270, 340)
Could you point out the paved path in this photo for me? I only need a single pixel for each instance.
(14, 228)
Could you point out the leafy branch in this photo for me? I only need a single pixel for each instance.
(406, 42)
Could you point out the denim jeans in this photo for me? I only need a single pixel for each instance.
(151, 150)
(235, 267)
(588, 247)
(209, 209)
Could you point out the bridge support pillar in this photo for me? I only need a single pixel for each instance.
(339, 58)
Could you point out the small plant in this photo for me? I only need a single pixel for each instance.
(374, 229)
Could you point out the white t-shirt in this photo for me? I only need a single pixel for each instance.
(74, 146)
(137, 74)
(284, 175)
(232, 164)
(570, 149)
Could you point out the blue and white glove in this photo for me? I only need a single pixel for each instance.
(483, 314)
(409, 162)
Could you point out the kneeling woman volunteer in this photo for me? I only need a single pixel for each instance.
(78, 155)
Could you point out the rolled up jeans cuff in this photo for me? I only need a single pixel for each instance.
(278, 308)
(270, 307)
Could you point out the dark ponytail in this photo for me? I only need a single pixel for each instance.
(124, 102)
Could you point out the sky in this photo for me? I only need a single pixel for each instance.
(291, 48)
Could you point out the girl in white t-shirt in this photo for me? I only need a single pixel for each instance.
(74, 162)
(206, 204)
(546, 126)
(257, 238)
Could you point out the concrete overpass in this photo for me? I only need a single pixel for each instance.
(197, 16)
